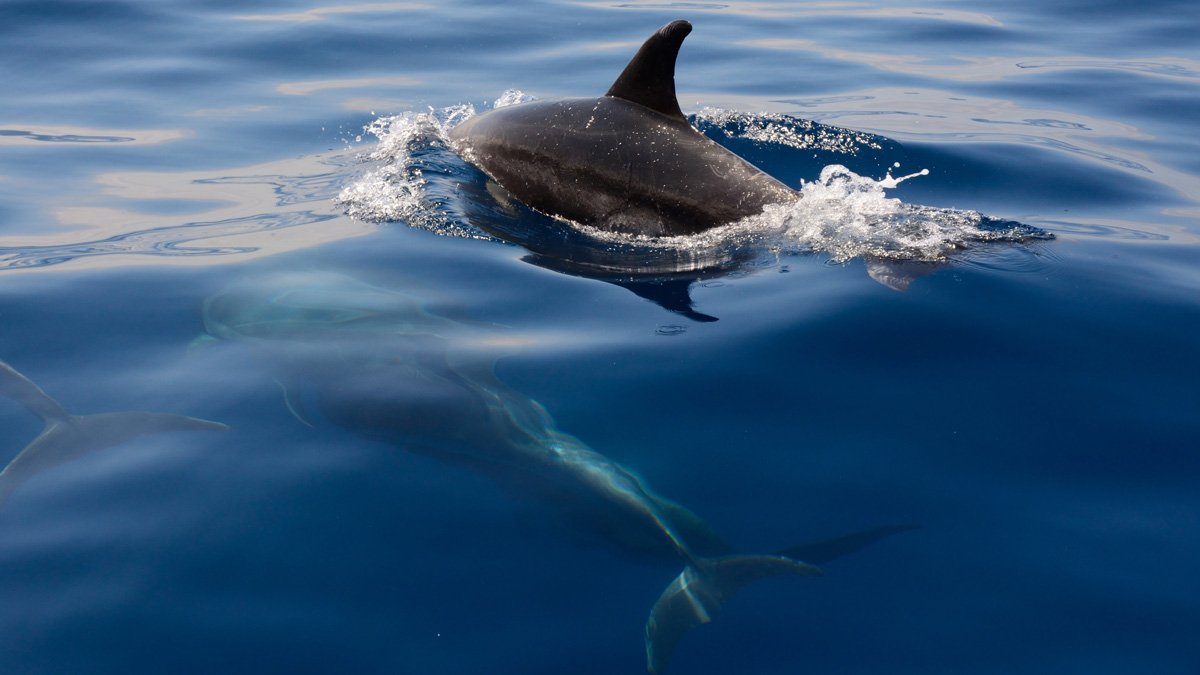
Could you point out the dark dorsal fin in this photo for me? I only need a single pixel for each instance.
(649, 79)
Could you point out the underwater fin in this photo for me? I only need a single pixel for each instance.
(698, 593)
(294, 404)
(821, 552)
(68, 436)
(19, 388)
(121, 426)
(898, 274)
(673, 295)
(649, 78)
(76, 435)
(201, 342)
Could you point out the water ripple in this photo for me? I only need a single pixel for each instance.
(1095, 229)
(160, 241)
(64, 138)
(1042, 141)
(23, 133)
(1182, 68)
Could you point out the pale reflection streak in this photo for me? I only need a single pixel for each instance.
(592, 47)
(974, 68)
(245, 213)
(313, 86)
(232, 111)
(803, 9)
(1161, 67)
(373, 104)
(920, 110)
(322, 13)
(961, 68)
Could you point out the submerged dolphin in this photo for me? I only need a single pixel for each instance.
(68, 436)
(380, 363)
(625, 162)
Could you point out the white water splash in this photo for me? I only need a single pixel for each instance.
(396, 189)
(787, 131)
(512, 97)
(847, 216)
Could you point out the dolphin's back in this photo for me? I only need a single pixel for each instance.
(626, 162)
(615, 165)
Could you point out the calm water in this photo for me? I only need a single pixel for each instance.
(175, 179)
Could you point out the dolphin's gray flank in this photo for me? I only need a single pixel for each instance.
(625, 162)
(67, 436)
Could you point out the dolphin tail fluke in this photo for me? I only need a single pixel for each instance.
(698, 593)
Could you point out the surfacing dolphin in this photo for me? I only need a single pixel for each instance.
(380, 363)
(628, 161)
(68, 436)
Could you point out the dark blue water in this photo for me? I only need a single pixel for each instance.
(175, 179)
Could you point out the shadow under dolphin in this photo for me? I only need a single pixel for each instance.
(382, 364)
(66, 436)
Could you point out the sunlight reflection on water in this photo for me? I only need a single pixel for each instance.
(802, 9)
(244, 213)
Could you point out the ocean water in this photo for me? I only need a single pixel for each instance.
(247, 213)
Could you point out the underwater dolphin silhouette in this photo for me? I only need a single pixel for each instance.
(628, 161)
(378, 362)
(68, 436)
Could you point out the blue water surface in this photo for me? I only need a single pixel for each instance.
(174, 237)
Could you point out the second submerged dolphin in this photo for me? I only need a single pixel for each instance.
(386, 364)
(628, 161)
(68, 436)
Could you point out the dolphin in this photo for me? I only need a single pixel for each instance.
(626, 162)
(68, 436)
(385, 365)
